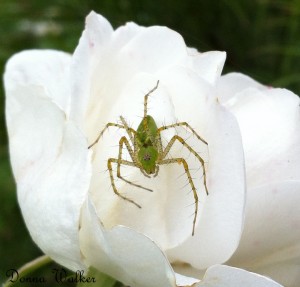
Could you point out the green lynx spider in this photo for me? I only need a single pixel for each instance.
(147, 153)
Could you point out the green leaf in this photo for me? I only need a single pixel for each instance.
(96, 278)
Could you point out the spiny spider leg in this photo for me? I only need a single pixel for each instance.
(123, 141)
(109, 166)
(158, 143)
(145, 122)
(146, 99)
(186, 168)
(129, 130)
(182, 124)
(181, 140)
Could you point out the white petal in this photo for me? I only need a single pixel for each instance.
(188, 270)
(124, 34)
(122, 253)
(184, 281)
(51, 166)
(287, 273)
(221, 218)
(146, 54)
(225, 276)
(208, 65)
(269, 123)
(272, 231)
(232, 84)
(45, 68)
(94, 39)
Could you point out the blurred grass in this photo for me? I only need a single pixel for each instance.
(261, 38)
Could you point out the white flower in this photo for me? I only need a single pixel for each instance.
(56, 106)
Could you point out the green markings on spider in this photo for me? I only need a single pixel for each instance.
(147, 152)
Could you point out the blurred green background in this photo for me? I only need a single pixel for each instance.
(261, 38)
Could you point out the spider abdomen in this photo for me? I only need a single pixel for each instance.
(147, 157)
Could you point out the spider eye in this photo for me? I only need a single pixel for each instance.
(147, 157)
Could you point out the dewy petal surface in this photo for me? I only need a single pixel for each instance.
(226, 276)
(49, 160)
(122, 253)
(271, 246)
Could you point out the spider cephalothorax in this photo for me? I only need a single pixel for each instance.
(147, 152)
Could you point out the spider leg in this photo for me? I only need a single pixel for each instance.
(186, 168)
(182, 124)
(128, 129)
(181, 140)
(158, 143)
(123, 141)
(109, 166)
(146, 99)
